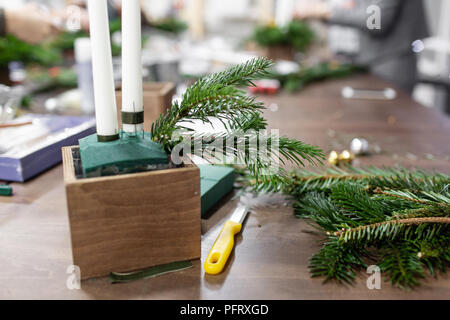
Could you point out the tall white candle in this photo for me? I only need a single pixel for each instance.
(102, 69)
(266, 11)
(131, 62)
(283, 12)
(196, 19)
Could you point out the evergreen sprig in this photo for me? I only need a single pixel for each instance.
(14, 49)
(296, 34)
(214, 96)
(321, 71)
(172, 25)
(220, 96)
(401, 217)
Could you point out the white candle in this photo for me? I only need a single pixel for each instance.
(102, 69)
(196, 19)
(266, 11)
(131, 62)
(283, 12)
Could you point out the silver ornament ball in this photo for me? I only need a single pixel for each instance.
(359, 146)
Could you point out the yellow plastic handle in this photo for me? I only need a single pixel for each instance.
(221, 248)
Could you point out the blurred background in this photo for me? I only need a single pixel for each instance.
(186, 39)
(45, 53)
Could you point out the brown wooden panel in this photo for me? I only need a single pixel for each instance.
(132, 221)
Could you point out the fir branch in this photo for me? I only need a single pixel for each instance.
(323, 179)
(386, 227)
(217, 96)
(357, 203)
(294, 151)
(413, 181)
(242, 74)
(441, 200)
(321, 71)
(264, 168)
(296, 34)
(400, 216)
(214, 96)
(402, 265)
(334, 261)
(433, 253)
(400, 195)
(372, 177)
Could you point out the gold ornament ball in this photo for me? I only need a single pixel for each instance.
(333, 158)
(346, 157)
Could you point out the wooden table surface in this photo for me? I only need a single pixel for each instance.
(271, 255)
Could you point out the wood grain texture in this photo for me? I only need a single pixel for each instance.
(157, 98)
(270, 260)
(131, 221)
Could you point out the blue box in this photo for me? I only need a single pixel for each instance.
(29, 157)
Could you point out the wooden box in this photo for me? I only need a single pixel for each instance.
(132, 221)
(157, 99)
(275, 52)
(280, 52)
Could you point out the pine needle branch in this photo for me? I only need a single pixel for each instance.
(402, 217)
(388, 228)
(402, 265)
(334, 261)
(323, 179)
(400, 195)
(217, 96)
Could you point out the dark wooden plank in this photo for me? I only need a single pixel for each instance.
(271, 254)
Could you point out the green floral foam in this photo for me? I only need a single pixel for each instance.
(129, 154)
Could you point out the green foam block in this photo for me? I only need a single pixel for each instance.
(5, 190)
(128, 154)
(215, 183)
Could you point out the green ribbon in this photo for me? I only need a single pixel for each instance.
(119, 277)
(113, 137)
(132, 117)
